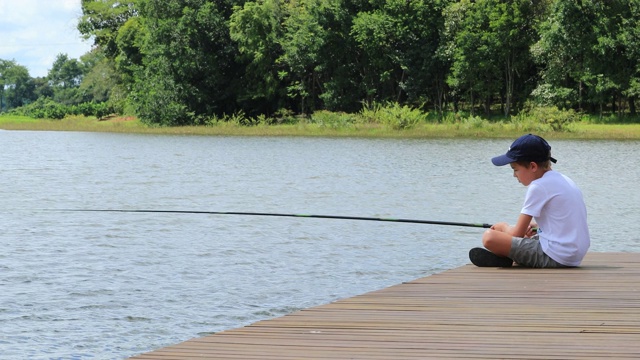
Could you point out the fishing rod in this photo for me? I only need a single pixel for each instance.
(282, 215)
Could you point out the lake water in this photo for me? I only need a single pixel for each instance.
(103, 285)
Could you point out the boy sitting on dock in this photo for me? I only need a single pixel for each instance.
(551, 230)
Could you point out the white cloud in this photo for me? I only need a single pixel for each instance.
(34, 32)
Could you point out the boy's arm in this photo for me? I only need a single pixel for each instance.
(523, 227)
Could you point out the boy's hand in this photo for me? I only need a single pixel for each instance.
(501, 226)
(531, 230)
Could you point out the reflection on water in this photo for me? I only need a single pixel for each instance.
(111, 285)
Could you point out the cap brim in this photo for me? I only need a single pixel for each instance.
(502, 160)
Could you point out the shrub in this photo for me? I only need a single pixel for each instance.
(396, 116)
(474, 122)
(556, 119)
(284, 116)
(332, 120)
(548, 95)
(241, 119)
(99, 110)
(45, 108)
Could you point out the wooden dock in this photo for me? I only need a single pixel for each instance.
(590, 312)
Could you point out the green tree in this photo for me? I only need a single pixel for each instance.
(616, 66)
(156, 98)
(400, 40)
(630, 38)
(130, 41)
(300, 54)
(189, 59)
(65, 72)
(488, 44)
(101, 20)
(302, 41)
(341, 60)
(569, 39)
(101, 79)
(513, 32)
(64, 78)
(384, 70)
(42, 88)
(257, 29)
(16, 86)
(463, 49)
(118, 33)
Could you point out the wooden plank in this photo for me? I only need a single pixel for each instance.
(590, 312)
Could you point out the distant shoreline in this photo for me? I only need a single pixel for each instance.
(578, 130)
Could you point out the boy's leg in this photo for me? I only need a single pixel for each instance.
(497, 242)
(528, 252)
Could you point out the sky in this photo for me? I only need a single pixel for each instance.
(34, 32)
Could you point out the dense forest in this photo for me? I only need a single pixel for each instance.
(177, 62)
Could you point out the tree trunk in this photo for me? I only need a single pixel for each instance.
(487, 105)
(509, 75)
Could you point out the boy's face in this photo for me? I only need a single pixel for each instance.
(524, 174)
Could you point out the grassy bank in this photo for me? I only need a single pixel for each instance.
(460, 128)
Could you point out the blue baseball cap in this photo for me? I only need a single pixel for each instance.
(526, 148)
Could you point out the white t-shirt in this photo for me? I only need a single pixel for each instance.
(557, 205)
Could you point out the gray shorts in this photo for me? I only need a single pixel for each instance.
(528, 252)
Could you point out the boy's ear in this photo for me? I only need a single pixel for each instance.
(533, 166)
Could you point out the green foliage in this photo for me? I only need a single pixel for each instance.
(102, 83)
(16, 86)
(240, 118)
(190, 66)
(548, 95)
(157, 103)
(181, 62)
(394, 115)
(66, 76)
(256, 28)
(303, 43)
(101, 20)
(65, 73)
(284, 116)
(130, 41)
(395, 37)
(474, 122)
(99, 110)
(548, 118)
(488, 43)
(44, 108)
(334, 120)
(590, 47)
